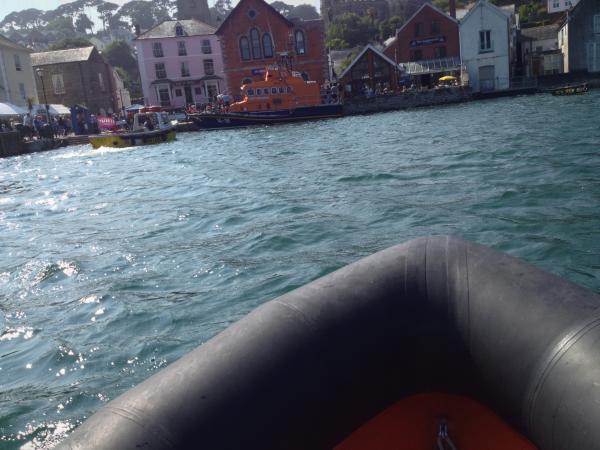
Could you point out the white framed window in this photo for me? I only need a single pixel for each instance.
(160, 70)
(18, 62)
(485, 41)
(181, 50)
(209, 67)
(206, 48)
(185, 69)
(58, 84)
(157, 50)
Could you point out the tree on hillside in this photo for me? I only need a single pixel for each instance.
(353, 29)
(120, 56)
(75, 42)
(305, 12)
(26, 19)
(83, 23)
(221, 9)
(62, 24)
(106, 10)
(388, 27)
(283, 8)
(142, 13)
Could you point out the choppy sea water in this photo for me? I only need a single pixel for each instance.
(114, 263)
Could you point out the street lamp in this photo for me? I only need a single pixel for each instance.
(40, 73)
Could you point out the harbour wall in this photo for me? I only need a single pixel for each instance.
(406, 100)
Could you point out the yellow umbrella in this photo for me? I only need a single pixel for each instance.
(448, 78)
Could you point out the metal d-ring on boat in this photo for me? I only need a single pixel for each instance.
(436, 314)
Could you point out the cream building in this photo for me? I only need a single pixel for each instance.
(17, 82)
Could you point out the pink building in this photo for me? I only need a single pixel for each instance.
(181, 63)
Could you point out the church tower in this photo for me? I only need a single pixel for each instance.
(193, 9)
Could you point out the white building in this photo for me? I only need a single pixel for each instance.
(485, 48)
(555, 6)
(17, 84)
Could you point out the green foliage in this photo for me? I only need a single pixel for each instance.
(388, 27)
(106, 10)
(337, 44)
(348, 60)
(83, 23)
(283, 8)
(353, 29)
(305, 12)
(62, 24)
(119, 55)
(73, 42)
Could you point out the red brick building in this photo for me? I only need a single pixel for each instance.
(254, 34)
(429, 34)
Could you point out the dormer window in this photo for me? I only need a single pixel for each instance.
(179, 30)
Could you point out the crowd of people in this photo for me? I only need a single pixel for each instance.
(32, 126)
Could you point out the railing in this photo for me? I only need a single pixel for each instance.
(430, 65)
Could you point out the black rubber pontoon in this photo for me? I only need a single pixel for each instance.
(434, 314)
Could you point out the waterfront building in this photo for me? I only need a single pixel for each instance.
(76, 76)
(371, 69)
(17, 84)
(427, 44)
(579, 37)
(485, 47)
(255, 35)
(555, 6)
(540, 52)
(180, 63)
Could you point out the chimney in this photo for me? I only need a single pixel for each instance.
(137, 28)
(452, 7)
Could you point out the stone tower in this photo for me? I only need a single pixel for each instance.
(193, 9)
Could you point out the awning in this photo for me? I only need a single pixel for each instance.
(8, 109)
(54, 109)
(430, 66)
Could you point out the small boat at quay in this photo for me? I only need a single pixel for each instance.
(149, 127)
(572, 89)
(283, 96)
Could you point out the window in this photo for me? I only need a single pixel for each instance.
(185, 69)
(163, 96)
(556, 5)
(160, 70)
(485, 41)
(18, 62)
(206, 49)
(274, 90)
(181, 50)
(267, 46)
(300, 44)
(209, 67)
(58, 83)
(101, 82)
(157, 50)
(435, 27)
(198, 91)
(281, 90)
(179, 30)
(255, 40)
(178, 93)
(250, 91)
(418, 29)
(22, 91)
(440, 52)
(245, 48)
(597, 23)
(259, 91)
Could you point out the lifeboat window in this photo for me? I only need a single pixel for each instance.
(281, 90)
(250, 92)
(259, 91)
(273, 90)
(289, 89)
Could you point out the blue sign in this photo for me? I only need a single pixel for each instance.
(428, 41)
(258, 71)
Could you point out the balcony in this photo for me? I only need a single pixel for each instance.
(431, 66)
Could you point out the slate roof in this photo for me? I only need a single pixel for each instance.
(61, 56)
(540, 33)
(166, 29)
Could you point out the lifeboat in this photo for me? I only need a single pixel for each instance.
(437, 343)
(281, 97)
